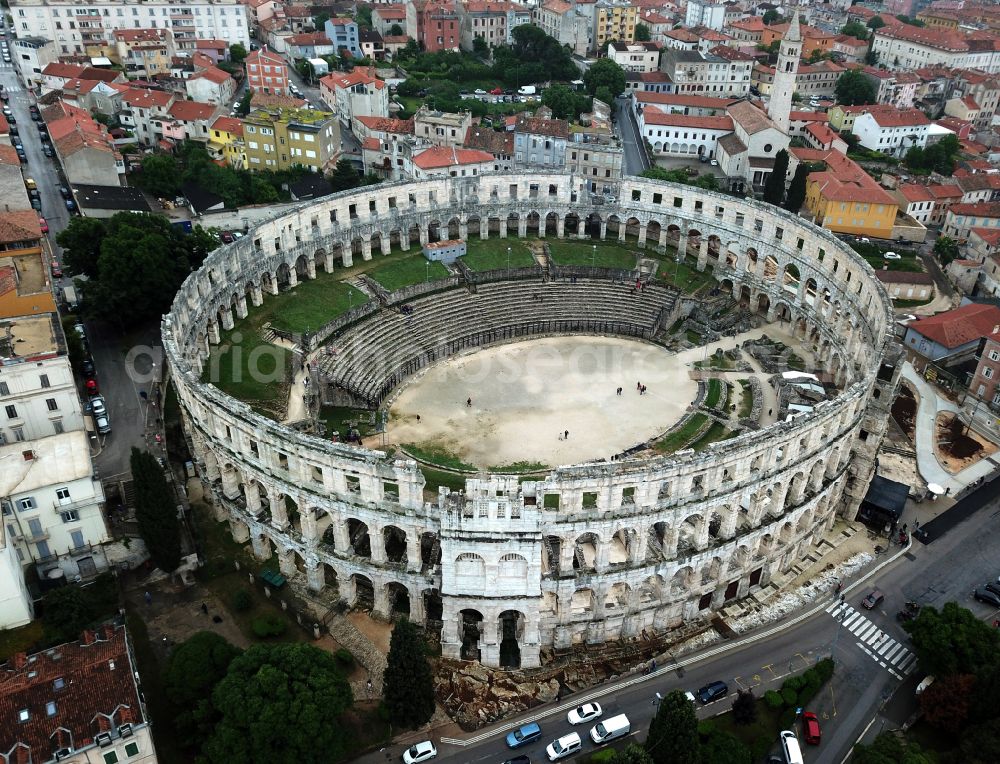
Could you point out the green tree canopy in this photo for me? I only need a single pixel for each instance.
(946, 249)
(890, 748)
(479, 46)
(363, 16)
(159, 175)
(673, 733)
(797, 189)
(66, 612)
(722, 748)
(856, 29)
(642, 33)
(155, 511)
(875, 22)
(237, 52)
(195, 667)
(771, 16)
(953, 641)
(280, 703)
(634, 754)
(408, 683)
(605, 73)
(344, 176)
(910, 20)
(565, 102)
(774, 187)
(396, 30)
(854, 88)
(81, 243)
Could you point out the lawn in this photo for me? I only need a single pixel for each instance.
(309, 305)
(683, 276)
(491, 254)
(906, 263)
(716, 432)
(409, 271)
(568, 252)
(714, 393)
(758, 736)
(679, 438)
(746, 399)
(897, 303)
(339, 419)
(437, 456)
(435, 478)
(249, 369)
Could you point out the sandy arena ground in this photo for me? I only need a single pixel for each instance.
(527, 394)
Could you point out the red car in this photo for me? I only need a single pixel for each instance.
(91, 385)
(496, 91)
(43, 225)
(56, 269)
(810, 726)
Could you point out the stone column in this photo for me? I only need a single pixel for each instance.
(347, 255)
(604, 229)
(286, 564)
(603, 555)
(463, 234)
(567, 551)
(385, 244)
(377, 542)
(256, 295)
(561, 227)
(424, 238)
(413, 561)
(642, 234)
(682, 246)
(214, 336)
(341, 538)
(663, 236)
(272, 284)
(293, 277)
(311, 267)
(241, 306)
(230, 483)
(239, 530)
(366, 249)
(522, 227)
(621, 230)
(417, 611)
(315, 580)
(703, 253)
(328, 262)
(261, 547)
(484, 228)
(252, 494)
(279, 513)
(308, 521)
(503, 228)
(381, 605)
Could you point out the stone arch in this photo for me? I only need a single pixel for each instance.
(651, 590)
(551, 224)
(689, 534)
(513, 566)
(357, 247)
(283, 275)
(357, 536)
(592, 226)
(510, 627)
(714, 245)
(770, 268)
(454, 228)
(473, 224)
(413, 234)
(790, 279)
(364, 592)
(582, 602)
(571, 224)
(533, 223)
(471, 566)
(585, 553)
(653, 230)
(398, 598)
(682, 581)
(618, 597)
(620, 546)
(632, 226)
(430, 551)
(470, 630)
(711, 571)
(376, 242)
(394, 543)
(302, 267)
(613, 228)
(434, 230)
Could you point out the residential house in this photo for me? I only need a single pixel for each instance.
(895, 88)
(681, 39)
(31, 55)
(659, 25)
(189, 121)
(55, 75)
(844, 198)
(915, 200)
(706, 74)
(612, 20)
(385, 17)
(565, 22)
(818, 135)
(962, 218)
(279, 138)
(435, 23)
(86, 152)
(819, 79)
(342, 31)
(443, 161)
(217, 50)
(813, 39)
(225, 143)
(852, 49)
(354, 94)
(211, 85)
(705, 13)
(440, 128)
(890, 130)
(983, 384)
(635, 56)
(953, 333)
(267, 72)
(748, 31)
(496, 143)
(260, 11)
(386, 146)
(842, 117)
(984, 89)
(648, 82)
(595, 156)
(487, 21)
(144, 53)
(540, 143)
(907, 285)
(76, 702)
(309, 45)
(902, 46)
(964, 108)
(140, 109)
(371, 44)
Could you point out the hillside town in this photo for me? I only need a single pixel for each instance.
(137, 137)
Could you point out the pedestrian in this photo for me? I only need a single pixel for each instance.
(770, 411)
(204, 608)
(566, 435)
(468, 403)
(619, 392)
(149, 598)
(418, 418)
(638, 385)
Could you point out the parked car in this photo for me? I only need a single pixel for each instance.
(13, 130)
(518, 760)
(585, 713)
(11, 120)
(104, 427)
(56, 269)
(480, 91)
(810, 728)
(423, 751)
(47, 150)
(91, 386)
(36, 204)
(713, 691)
(43, 225)
(4, 96)
(97, 406)
(565, 746)
(34, 193)
(527, 733)
(891, 256)
(993, 586)
(65, 192)
(496, 91)
(87, 367)
(985, 595)
(227, 238)
(70, 205)
(874, 599)
(29, 183)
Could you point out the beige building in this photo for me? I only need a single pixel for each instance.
(144, 52)
(441, 128)
(613, 20)
(635, 56)
(596, 155)
(279, 138)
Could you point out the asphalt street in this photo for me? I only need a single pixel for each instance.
(120, 379)
(871, 650)
(635, 156)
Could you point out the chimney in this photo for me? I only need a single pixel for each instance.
(88, 637)
(20, 660)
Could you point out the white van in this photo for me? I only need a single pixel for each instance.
(610, 729)
(790, 747)
(565, 746)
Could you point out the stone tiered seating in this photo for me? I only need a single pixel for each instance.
(373, 356)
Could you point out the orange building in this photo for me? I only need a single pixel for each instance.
(812, 38)
(25, 287)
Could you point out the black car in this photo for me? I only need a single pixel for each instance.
(34, 193)
(713, 691)
(65, 192)
(87, 367)
(47, 150)
(42, 128)
(4, 96)
(987, 596)
(993, 586)
(518, 760)
(11, 120)
(13, 130)
(36, 204)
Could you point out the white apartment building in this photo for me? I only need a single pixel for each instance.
(635, 56)
(75, 25)
(891, 130)
(16, 608)
(356, 94)
(705, 13)
(906, 47)
(707, 73)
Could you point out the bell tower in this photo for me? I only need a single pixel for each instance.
(789, 53)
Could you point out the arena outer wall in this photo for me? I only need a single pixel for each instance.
(688, 532)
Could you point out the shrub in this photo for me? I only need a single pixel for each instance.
(344, 658)
(793, 683)
(773, 699)
(242, 601)
(789, 696)
(602, 757)
(269, 626)
(825, 669)
(706, 728)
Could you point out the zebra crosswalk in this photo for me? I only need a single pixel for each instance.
(891, 655)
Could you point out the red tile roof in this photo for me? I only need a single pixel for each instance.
(680, 99)
(8, 155)
(371, 144)
(391, 12)
(683, 120)
(15, 226)
(211, 44)
(386, 124)
(189, 111)
(146, 99)
(308, 38)
(915, 192)
(844, 180)
(990, 236)
(443, 156)
(359, 76)
(557, 128)
(56, 69)
(228, 124)
(961, 326)
(886, 115)
(140, 35)
(977, 209)
(264, 56)
(808, 116)
(92, 689)
(212, 74)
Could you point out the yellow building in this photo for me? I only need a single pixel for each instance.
(277, 138)
(614, 22)
(842, 118)
(843, 198)
(225, 143)
(143, 52)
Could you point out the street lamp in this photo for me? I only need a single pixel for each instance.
(593, 257)
(427, 271)
(508, 261)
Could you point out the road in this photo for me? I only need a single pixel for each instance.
(635, 155)
(119, 385)
(870, 648)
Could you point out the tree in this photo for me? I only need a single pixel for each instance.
(81, 243)
(642, 33)
(634, 754)
(946, 703)
(280, 703)
(723, 748)
(160, 176)
(195, 667)
(396, 30)
(673, 733)
(155, 511)
(855, 29)
(604, 94)
(946, 249)
(854, 88)
(890, 748)
(408, 683)
(320, 19)
(244, 108)
(774, 187)
(363, 16)
(344, 176)
(910, 20)
(797, 189)
(745, 707)
(771, 16)
(564, 102)
(604, 73)
(66, 612)
(953, 641)
(871, 57)
(875, 22)
(237, 52)
(479, 46)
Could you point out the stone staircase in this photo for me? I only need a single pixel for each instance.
(364, 651)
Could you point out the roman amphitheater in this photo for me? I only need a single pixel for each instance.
(611, 536)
